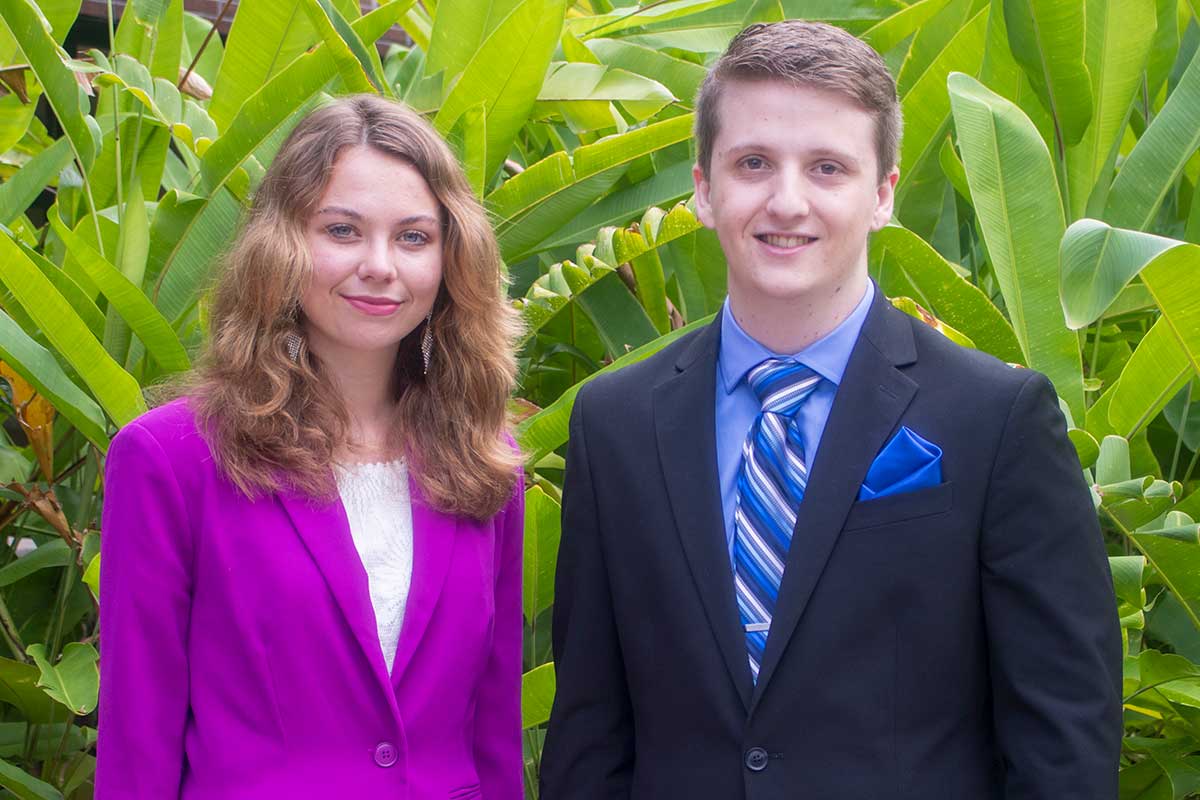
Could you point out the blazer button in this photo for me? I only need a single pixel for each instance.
(386, 755)
(756, 759)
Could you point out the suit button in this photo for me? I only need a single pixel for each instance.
(385, 754)
(756, 759)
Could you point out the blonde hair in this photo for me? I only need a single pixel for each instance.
(812, 54)
(276, 423)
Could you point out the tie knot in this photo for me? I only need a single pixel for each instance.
(782, 385)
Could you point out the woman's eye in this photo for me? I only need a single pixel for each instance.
(414, 237)
(340, 231)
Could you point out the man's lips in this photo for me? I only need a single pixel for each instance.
(784, 240)
(375, 306)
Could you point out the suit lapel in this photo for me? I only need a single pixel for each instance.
(323, 527)
(434, 534)
(870, 400)
(685, 424)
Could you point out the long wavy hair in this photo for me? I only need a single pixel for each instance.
(276, 423)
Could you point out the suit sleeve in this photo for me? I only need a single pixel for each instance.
(498, 756)
(589, 744)
(145, 588)
(1053, 634)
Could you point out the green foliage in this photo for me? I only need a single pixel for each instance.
(1048, 213)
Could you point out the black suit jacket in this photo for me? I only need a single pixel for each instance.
(957, 642)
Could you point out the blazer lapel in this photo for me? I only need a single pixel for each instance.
(434, 534)
(685, 423)
(326, 534)
(870, 400)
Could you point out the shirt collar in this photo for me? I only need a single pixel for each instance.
(827, 356)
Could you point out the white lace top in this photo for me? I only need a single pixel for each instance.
(379, 508)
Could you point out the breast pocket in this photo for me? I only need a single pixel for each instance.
(902, 507)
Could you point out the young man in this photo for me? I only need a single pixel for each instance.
(816, 550)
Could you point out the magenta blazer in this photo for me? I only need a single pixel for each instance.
(240, 657)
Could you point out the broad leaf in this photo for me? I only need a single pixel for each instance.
(904, 264)
(1016, 198)
(115, 388)
(518, 49)
(1119, 35)
(18, 192)
(1151, 168)
(75, 680)
(54, 553)
(25, 786)
(542, 532)
(547, 429)
(1047, 40)
(36, 365)
(537, 695)
(127, 299)
(1098, 261)
(1156, 371)
(66, 98)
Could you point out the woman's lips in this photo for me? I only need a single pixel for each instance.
(375, 306)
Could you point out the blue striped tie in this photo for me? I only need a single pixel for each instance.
(769, 490)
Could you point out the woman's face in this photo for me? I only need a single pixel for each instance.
(376, 246)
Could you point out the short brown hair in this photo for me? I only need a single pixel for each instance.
(807, 54)
(277, 423)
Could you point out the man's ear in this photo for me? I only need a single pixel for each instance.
(703, 204)
(885, 199)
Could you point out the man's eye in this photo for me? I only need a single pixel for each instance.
(754, 162)
(414, 237)
(829, 169)
(340, 231)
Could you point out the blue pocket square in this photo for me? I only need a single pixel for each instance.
(905, 463)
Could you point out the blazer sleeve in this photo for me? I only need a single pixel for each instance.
(1050, 613)
(589, 744)
(145, 590)
(498, 757)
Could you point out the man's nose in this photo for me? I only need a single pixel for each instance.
(789, 197)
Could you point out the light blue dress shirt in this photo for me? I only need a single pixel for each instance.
(737, 405)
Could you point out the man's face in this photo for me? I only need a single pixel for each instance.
(792, 191)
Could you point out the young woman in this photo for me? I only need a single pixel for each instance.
(312, 559)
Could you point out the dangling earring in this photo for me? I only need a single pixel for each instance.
(294, 342)
(427, 341)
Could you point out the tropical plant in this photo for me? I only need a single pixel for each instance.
(1048, 212)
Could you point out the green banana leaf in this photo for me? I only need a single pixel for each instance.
(24, 786)
(518, 49)
(646, 16)
(537, 695)
(1020, 212)
(115, 389)
(682, 78)
(65, 97)
(926, 107)
(459, 28)
(1098, 262)
(18, 192)
(1119, 36)
(79, 298)
(546, 430)
(1047, 39)
(1154, 374)
(584, 93)
(39, 368)
(1149, 172)
(664, 187)
(903, 264)
(533, 205)
(1170, 277)
(354, 64)
(74, 680)
(542, 531)
(265, 37)
(127, 299)
(892, 31)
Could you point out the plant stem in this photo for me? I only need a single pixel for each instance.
(1187, 403)
(70, 575)
(1095, 347)
(207, 37)
(10, 634)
